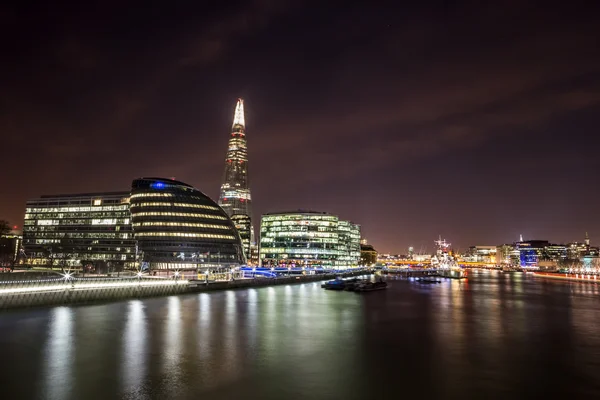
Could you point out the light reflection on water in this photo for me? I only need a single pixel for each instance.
(448, 340)
(59, 354)
(134, 347)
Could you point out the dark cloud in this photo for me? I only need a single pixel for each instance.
(465, 119)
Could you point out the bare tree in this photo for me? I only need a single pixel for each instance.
(4, 227)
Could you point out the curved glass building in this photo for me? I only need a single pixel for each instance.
(178, 227)
(310, 239)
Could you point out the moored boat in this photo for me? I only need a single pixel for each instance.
(340, 284)
(371, 286)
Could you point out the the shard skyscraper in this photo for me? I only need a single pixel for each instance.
(235, 196)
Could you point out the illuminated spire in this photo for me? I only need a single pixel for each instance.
(238, 118)
(520, 238)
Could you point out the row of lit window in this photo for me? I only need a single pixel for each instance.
(297, 241)
(177, 214)
(298, 228)
(186, 234)
(151, 194)
(187, 205)
(75, 209)
(88, 256)
(300, 217)
(236, 194)
(163, 194)
(304, 234)
(84, 235)
(299, 222)
(190, 224)
(89, 214)
(299, 250)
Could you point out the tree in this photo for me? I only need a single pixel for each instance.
(50, 256)
(4, 227)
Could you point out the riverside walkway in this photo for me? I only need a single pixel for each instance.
(70, 290)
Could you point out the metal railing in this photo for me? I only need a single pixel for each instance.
(76, 290)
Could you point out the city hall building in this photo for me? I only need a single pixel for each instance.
(308, 238)
(178, 227)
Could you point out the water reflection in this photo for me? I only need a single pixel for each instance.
(134, 347)
(59, 354)
(230, 364)
(473, 338)
(172, 350)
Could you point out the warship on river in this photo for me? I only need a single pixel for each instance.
(446, 264)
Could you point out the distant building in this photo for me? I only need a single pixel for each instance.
(484, 254)
(534, 252)
(368, 254)
(505, 254)
(555, 252)
(308, 238)
(177, 227)
(531, 252)
(76, 229)
(10, 245)
(579, 250)
(254, 255)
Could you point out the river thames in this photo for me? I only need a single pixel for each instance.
(495, 335)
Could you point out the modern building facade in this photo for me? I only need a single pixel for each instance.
(75, 229)
(177, 227)
(310, 239)
(485, 254)
(235, 196)
(348, 244)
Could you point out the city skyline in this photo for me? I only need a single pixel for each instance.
(411, 122)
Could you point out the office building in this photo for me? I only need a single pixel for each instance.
(484, 254)
(368, 254)
(579, 250)
(348, 244)
(308, 238)
(78, 229)
(177, 227)
(505, 254)
(235, 196)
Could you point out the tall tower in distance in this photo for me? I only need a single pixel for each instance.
(235, 196)
(587, 239)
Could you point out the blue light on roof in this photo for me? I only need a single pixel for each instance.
(157, 185)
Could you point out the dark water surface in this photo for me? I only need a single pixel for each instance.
(493, 336)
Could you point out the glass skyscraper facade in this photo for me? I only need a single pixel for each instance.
(178, 227)
(308, 238)
(235, 196)
(348, 244)
(68, 230)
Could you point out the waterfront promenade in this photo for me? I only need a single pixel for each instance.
(74, 290)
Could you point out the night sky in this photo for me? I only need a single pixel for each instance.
(475, 122)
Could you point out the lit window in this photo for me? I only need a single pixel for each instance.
(97, 202)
